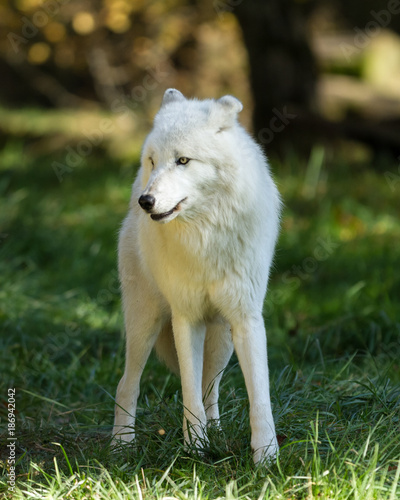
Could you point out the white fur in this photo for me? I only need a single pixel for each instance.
(193, 284)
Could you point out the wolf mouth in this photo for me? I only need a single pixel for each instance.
(158, 217)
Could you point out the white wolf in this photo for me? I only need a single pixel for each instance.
(194, 256)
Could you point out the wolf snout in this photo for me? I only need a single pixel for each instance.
(147, 202)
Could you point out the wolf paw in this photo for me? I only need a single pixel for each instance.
(266, 454)
(122, 436)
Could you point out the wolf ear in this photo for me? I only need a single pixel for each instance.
(172, 95)
(228, 107)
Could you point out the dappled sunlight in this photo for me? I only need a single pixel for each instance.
(319, 84)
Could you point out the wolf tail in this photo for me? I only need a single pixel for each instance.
(165, 348)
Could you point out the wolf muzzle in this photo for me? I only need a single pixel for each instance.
(147, 202)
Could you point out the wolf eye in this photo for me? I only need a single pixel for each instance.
(183, 160)
(152, 162)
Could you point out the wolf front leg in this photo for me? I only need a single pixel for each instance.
(250, 343)
(189, 342)
(142, 326)
(137, 352)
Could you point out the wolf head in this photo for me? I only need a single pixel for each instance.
(188, 156)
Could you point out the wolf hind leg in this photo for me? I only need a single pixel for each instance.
(218, 348)
(165, 348)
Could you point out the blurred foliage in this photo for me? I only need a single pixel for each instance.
(334, 60)
(121, 52)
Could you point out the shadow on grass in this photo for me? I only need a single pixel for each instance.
(332, 321)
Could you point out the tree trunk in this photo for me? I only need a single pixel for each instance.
(282, 69)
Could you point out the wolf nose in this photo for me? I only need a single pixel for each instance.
(147, 202)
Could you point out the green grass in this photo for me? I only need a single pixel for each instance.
(333, 331)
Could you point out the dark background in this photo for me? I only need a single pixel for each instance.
(334, 65)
